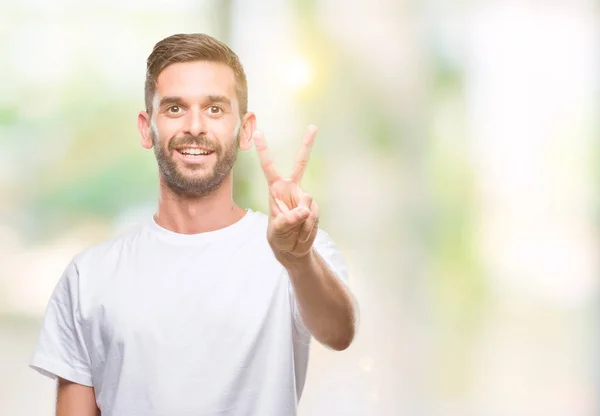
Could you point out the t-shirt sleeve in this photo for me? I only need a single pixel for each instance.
(335, 260)
(60, 350)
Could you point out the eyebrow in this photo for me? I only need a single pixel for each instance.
(219, 99)
(170, 100)
(177, 100)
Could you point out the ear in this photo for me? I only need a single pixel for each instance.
(248, 127)
(144, 129)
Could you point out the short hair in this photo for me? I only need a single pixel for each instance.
(189, 48)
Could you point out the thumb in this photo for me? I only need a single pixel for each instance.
(294, 218)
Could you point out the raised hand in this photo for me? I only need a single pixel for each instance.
(293, 215)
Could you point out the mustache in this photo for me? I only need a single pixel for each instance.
(189, 140)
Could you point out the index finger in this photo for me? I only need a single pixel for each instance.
(304, 153)
(264, 157)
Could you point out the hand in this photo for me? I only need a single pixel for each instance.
(293, 215)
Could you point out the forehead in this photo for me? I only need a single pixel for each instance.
(195, 80)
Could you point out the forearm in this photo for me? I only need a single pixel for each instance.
(326, 306)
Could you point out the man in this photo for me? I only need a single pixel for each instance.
(206, 308)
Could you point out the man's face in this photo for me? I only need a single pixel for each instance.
(195, 126)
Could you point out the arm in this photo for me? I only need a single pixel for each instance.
(74, 399)
(61, 352)
(326, 307)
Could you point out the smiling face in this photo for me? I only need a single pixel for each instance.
(195, 126)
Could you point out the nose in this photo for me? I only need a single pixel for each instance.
(194, 123)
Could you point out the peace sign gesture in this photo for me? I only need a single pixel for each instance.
(293, 215)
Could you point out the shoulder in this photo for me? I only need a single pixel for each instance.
(257, 224)
(258, 219)
(110, 250)
(89, 269)
(323, 241)
(324, 245)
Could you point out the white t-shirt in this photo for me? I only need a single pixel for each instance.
(165, 324)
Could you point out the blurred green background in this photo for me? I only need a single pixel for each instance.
(456, 167)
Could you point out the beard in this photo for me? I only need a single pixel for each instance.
(188, 181)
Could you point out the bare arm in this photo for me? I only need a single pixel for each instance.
(74, 399)
(326, 307)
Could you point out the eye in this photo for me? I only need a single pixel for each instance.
(215, 109)
(174, 109)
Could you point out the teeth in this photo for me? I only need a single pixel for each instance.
(196, 152)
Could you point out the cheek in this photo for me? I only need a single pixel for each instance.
(227, 130)
(165, 130)
(237, 130)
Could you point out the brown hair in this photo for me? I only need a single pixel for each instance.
(188, 48)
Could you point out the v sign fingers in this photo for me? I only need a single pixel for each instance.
(304, 154)
(293, 213)
(266, 162)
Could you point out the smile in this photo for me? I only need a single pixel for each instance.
(194, 154)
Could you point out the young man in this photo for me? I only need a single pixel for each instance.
(206, 308)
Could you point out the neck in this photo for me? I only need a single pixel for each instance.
(193, 215)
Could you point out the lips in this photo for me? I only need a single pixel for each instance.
(194, 151)
(194, 155)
